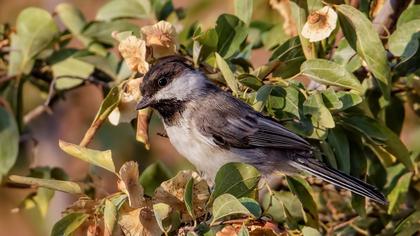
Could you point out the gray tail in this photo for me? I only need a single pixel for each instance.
(340, 179)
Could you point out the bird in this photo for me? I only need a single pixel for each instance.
(210, 127)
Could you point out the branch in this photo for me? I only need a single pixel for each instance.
(388, 15)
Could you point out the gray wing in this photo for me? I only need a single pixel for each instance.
(232, 123)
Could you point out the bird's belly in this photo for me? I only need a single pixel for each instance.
(206, 156)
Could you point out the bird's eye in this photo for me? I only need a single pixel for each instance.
(162, 81)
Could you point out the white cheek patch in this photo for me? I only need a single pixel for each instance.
(181, 87)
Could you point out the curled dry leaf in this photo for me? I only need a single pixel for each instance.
(83, 205)
(283, 8)
(129, 184)
(133, 50)
(139, 221)
(254, 227)
(95, 228)
(320, 24)
(172, 191)
(229, 230)
(142, 133)
(125, 112)
(161, 37)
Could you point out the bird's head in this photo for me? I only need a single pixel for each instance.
(171, 79)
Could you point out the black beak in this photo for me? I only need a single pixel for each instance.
(145, 102)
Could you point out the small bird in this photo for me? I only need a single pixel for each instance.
(210, 128)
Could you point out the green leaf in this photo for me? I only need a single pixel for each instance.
(367, 126)
(68, 224)
(188, 197)
(161, 212)
(358, 165)
(165, 217)
(280, 204)
(262, 97)
(286, 102)
(340, 145)
(243, 10)
(110, 102)
(399, 40)
(348, 99)
(153, 176)
(118, 200)
(331, 99)
(321, 115)
(309, 231)
(289, 67)
(227, 74)
(252, 206)
(299, 10)
(346, 56)
(290, 57)
(330, 73)
(363, 38)
(208, 40)
(272, 36)
(102, 31)
(98, 158)
(238, 179)
(9, 142)
(243, 231)
(110, 217)
(250, 81)
(162, 8)
(411, 13)
(409, 225)
(231, 32)
(329, 154)
(301, 189)
(292, 48)
(227, 205)
(399, 192)
(376, 132)
(41, 199)
(35, 31)
(75, 22)
(67, 77)
(59, 185)
(122, 9)
(359, 204)
(109, 64)
(73, 19)
(408, 60)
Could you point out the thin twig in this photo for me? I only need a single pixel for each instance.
(51, 92)
(37, 111)
(6, 78)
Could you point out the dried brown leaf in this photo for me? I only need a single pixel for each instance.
(138, 222)
(283, 8)
(142, 133)
(129, 184)
(172, 191)
(161, 37)
(133, 50)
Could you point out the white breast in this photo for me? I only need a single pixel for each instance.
(201, 151)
